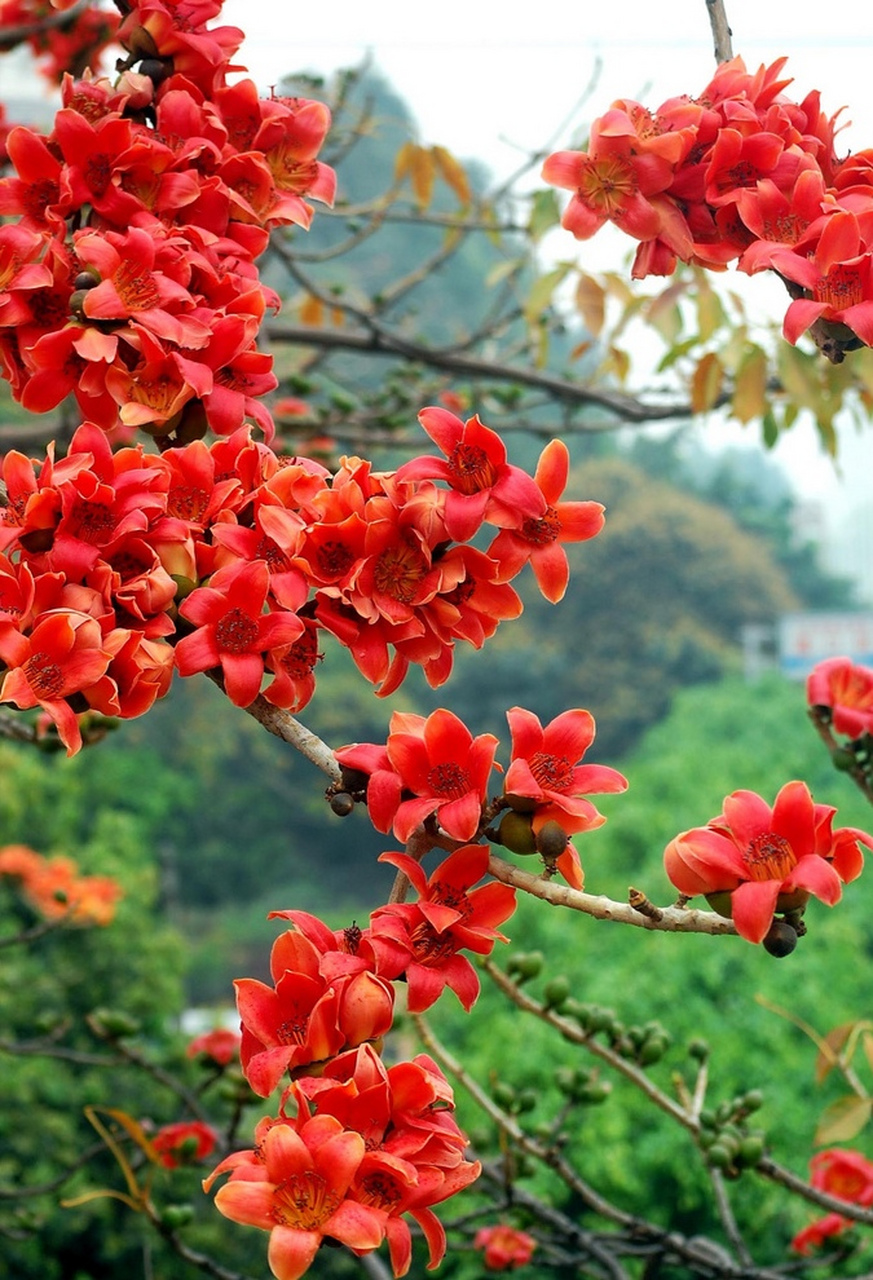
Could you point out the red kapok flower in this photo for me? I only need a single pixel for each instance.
(233, 631)
(476, 470)
(504, 1247)
(544, 769)
(842, 1173)
(422, 939)
(539, 539)
(221, 1046)
(187, 1142)
(767, 859)
(847, 688)
(298, 1191)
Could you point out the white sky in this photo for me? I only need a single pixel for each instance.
(495, 84)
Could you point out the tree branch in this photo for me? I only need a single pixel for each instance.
(721, 32)
(670, 919)
(626, 408)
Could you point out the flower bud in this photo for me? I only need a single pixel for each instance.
(174, 1216)
(551, 841)
(516, 834)
(781, 939)
(556, 992)
(342, 804)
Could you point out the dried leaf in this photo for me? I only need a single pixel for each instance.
(832, 1044)
(749, 400)
(618, 362)
(403, 160)
(452, 173)
(311, 311)
(591, 303)
(503, 270)
(706, 382)
(843, 1120)
(422, 171)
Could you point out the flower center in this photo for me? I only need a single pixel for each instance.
(397, 573)
(553, 773)
(542, 531)
(430, 948)
(135, 287)
(472, 468)
(840, 288)
(91, 522)
(304, 1201)
(379, 1190)
(301, 657)
(448, 895)
(607, 184)
(292, 1031)
(187, 502)
(334, 559)
(769, 857)
(43, 676)
(448, 780)
(236, 632)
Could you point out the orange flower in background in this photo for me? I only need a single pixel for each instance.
(846, 688)
(505, 1248)
(56, 891)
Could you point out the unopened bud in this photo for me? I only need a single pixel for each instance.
(342, 804)
(551, 841)
(516, 834)
(781, 939)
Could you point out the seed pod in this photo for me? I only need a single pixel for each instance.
(342, 804)
(781, 939)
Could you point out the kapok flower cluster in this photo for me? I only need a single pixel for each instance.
(740, 173)
(844, 690)
(54, 888)
(128, 273)
(366, 1144)
(117, 568)
(433, 770)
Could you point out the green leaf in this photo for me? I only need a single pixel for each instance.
(545, 213)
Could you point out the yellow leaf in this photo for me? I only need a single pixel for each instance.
(710, 313)
(706, 382)
(452, 173)
(541, 292)
(403, 160)
(422, 170)
(663, 312)
(619, 362)
(750, 387)
(311, 311)
(591, 303)
(843, 1120)
(502, 270)
(580, 349)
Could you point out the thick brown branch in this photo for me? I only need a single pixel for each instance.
(13, 35)
(625, 408)
(670, 919)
